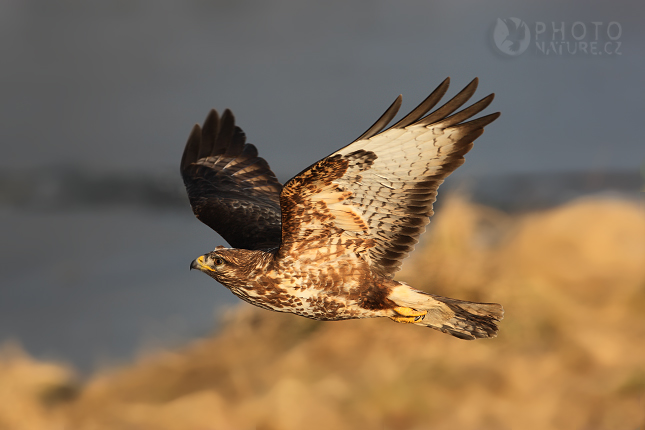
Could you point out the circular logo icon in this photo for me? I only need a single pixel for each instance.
(511, 36)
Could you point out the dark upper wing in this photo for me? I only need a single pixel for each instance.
(231, 189)
(374, 197)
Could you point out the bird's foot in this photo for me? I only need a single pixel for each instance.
(407, 315)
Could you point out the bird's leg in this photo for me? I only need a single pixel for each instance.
(407, 315)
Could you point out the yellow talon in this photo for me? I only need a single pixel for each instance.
(406, 320)
(409, 312)
(407, 315)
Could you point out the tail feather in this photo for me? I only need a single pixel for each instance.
(471, 320)
(459, 318)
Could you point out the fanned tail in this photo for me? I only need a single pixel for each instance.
(471, 320)
(459, 318)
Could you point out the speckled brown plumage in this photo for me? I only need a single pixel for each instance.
(327, 244)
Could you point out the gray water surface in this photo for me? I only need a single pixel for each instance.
(97, 286)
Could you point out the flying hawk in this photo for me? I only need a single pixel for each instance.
(327, 244)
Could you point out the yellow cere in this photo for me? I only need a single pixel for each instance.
(202, 264)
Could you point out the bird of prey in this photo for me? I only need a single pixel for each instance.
(327, 244)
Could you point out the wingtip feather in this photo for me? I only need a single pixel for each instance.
(191, 149)
(383, 120)
(423, 107)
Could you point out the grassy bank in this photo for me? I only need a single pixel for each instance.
(570, 354)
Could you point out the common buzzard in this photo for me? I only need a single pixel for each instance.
(327, 244)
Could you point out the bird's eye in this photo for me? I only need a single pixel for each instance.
(219, 261)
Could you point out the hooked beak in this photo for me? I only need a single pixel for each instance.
(200, 264)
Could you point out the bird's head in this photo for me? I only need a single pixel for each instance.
(226, 265)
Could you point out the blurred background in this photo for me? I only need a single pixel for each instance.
(97, 100)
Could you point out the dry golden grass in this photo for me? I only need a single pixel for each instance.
(570, 354)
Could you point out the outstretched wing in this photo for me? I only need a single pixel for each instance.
(231, 189)
(374, 197)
